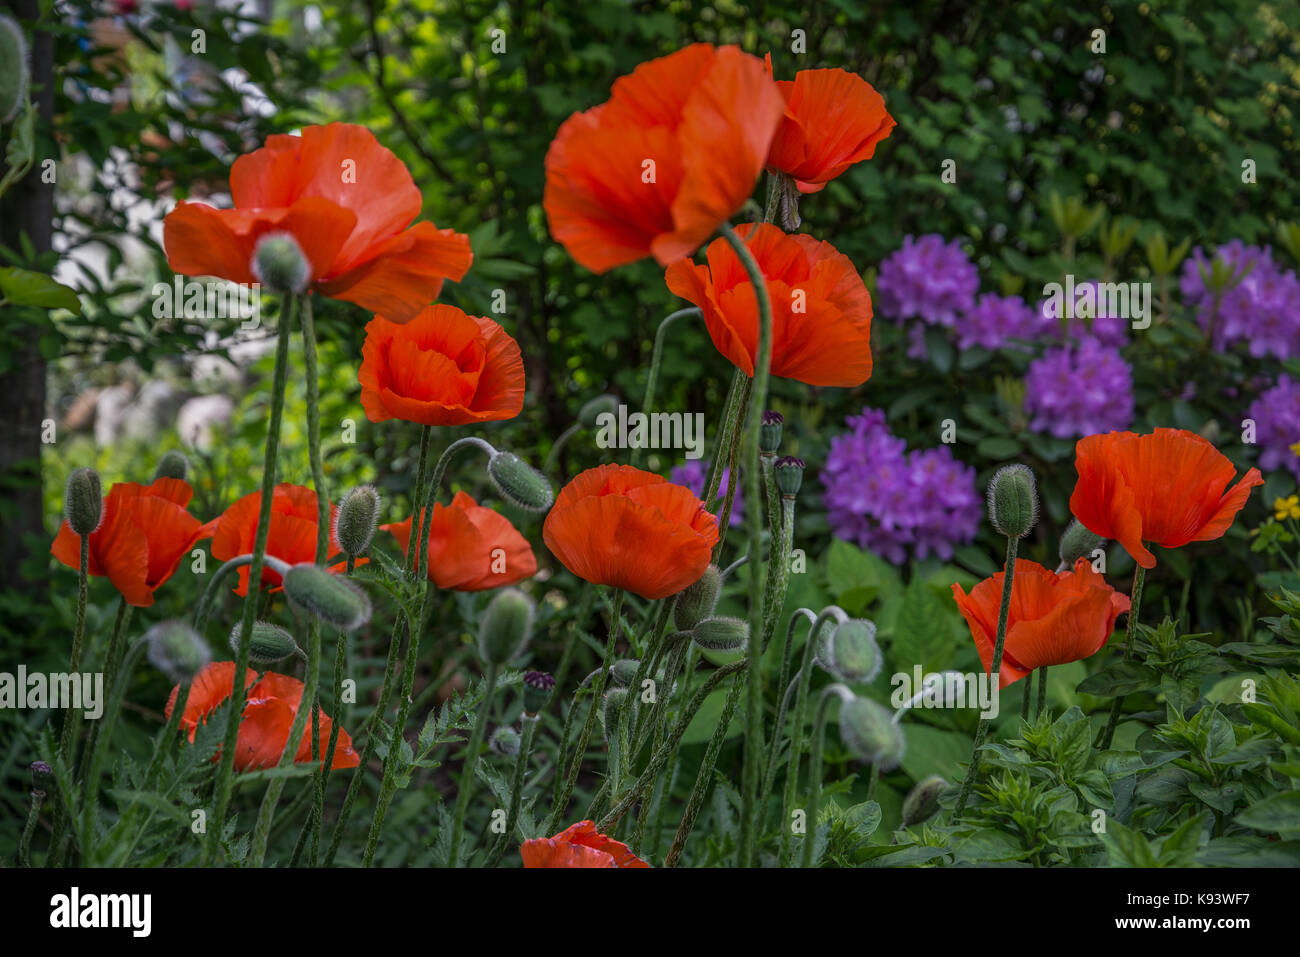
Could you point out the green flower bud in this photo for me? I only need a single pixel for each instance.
(769, 433)
(594, 408)
(538, 686)
(520, 483)
(13, 68)
(280, 264)
(615, 700)
(506, 626)
(697, 601)
(923, 800)
(312, 590)
(83, 503)
(505, 741)
(849, 651)
(173, 464)
(177, 650)
(721, 634)
(869, 732)
(1013, 501)
(1078, 542)
(356, 520)
(789, 475)
(269, 643)
(623, 671)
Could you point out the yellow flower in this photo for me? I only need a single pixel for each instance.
(1289, 507)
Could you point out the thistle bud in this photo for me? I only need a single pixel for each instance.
(593, 409)
(850, 651)
(923, 800)
(312, 590)
(520, 483)
(1078, 542)
(504, 741)
(13, 68)
(789, 475)
(174, 465)
(356, 520)
(280, 265)
(177, 650)
(697, 601)
(269, 642)
(869, 732)
(42, 776)
(1013, 501)
(769, 433)
(721, 634)
(83, 504)
(538, 686)
(506, 626)
(623, 671)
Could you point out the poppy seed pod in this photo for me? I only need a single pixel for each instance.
(850, 651)
(507, 623)
(83, 503)
(538, 686)
(176, 649)
(623, 671)
(593, 409)
(697, 601)
(1078, 542)
(789, 475)
(13, 68)
(173, 464)
(505, 741)
(869, 732)
(769, 433)
(280, 265)
(922, 801)
(356, 520)
(520, 483)
(1013, 501)
(336, 601)
(721, 634)
(269, 642)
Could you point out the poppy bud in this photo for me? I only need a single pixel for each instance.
(787, 203)
(356, 520)
(697, 601)
(615, 698)
(538, 686)
(923, 800)
(177, 650)
(1013, 501)
(42, 776)
(593, 409)
(789, 475)
(869, 732)
(624, 670)
(520, 483)
(270, 642)
(505, 741)
(721, 634)
(850, 652)
(83, 504)
(336, 601)
(769, 433)
(280, 265)
(173, 464)
(504, 631)
(1078, 542)
(13, 68)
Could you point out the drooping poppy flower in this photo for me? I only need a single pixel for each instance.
(292, 536)
(471, 548)
(346, 200)
(1054, 618)
(833, 119)
(617, 525)
(821, 310)
(272, 703)
(672, 154)
(578, 846)
(1169, 487)
(143, 534)
(441, 368)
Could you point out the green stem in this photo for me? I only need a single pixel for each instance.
(656, 360)
(1026, 692)
(33, 815)
(1042, 693)
(417, 492)
(831, 692)
(468, 769)
(1135, 606)
(778, 729)
(95, 765)
(529, 723)
(72, 717)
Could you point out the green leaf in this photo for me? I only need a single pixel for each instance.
(1279, 814)
(1126, 847)
(1119, 678)
(24, 287)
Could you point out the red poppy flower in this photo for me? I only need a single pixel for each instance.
(578, 846)
(471, 548)
(671, 156)
(441, 368)
(832, 120)
(292, 536)
(144, 532)
(821, 310)
(1054, 618)
(617, 525)
(1169, 487)
(272, 704)
(347, 201)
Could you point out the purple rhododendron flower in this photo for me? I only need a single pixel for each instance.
(693, 475)
(1262, 310)
(995, 321)
(1097, 321)
(1079, 389)
(927, 279)
(1277, 426)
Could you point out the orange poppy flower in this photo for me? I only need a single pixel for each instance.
(272, 704)
(347, 201)
(144, 532)
(441, 368)
(821, 310)
(292, 536)
(672, 154)
(471, 548)
(578, 846)
(617, 525)
(1169, 487)
(1054, 618)
(832, 120)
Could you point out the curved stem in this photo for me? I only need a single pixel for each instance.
(224, 571)
(1135, 606)
(529, 723)
(656, 359)
(465, 782)
(835, 692)
(787, 654)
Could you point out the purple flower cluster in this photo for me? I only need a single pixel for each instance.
(888, 500)
(693, 475)
(1109, 330)
(927, 279)
(996, 320)
(1262, 310)
(1079, 389)
(1277, 426)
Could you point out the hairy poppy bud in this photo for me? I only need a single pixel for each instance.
(173, 464)
(593, 409)
(1013, 501)
(83, 503)
(504, 631)
(13, 68)
(1078, 542)
(177, 650)
(789, 475)
(280, 265)
(356, 520)
(520, 483)
(615, 699)
(923, 800)
(868, 730)
(769, 433)
(336, 601)
(787, 203)
(624, 670)
(538, 686)
(697, 601)
(850, 652)
(269, 643)
(721, 634)
(505, 741)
